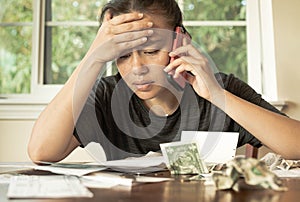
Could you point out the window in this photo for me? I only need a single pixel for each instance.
(43, 41)
(219, 26)
(215, 25)
(16, 29)
(70, 27)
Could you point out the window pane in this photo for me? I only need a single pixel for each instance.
(214, 10)
(15, 59)
(15, 46)
(73, 10)
(68, 46)
(226, 46)
(16, 11)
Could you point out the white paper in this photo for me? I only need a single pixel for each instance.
(106, 180)
(5, 178)
(142, 165)
(149, 163)
(295, 172)
(70, 171)
(215, 147)
(112, 179)
(140, 162)
(145, 164)
(46, 186)
(147, 179)
(78, 169)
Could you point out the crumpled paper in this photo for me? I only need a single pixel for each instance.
(253, 171)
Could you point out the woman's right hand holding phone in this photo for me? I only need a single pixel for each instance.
(201, 76)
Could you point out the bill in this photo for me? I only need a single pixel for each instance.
(254, 172)
(183, 158)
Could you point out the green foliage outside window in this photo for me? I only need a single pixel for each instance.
(70, 43)
(225, 45)
(15, 46)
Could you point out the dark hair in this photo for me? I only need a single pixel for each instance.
(169, 9)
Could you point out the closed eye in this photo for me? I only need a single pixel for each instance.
(123, 57)
(150, 52)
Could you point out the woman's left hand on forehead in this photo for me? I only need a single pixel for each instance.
(120, 34)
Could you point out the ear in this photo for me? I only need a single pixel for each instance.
(107, 16)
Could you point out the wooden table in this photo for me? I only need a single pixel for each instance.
(176, 190)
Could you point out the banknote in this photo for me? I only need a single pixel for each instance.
(254, 172)
(275, 161)
(183, 158)
(288, 164)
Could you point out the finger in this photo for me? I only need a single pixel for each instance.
(128, 46)
(128, 17)
(184, 41)
(192, 61)
(186, 50)
(177, 62)
(190, 78)
(183, 68)
(131, 36)
(131, 26)
(179, 70)
(107, 16)
(171, 66)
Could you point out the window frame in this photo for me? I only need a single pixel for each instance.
(262, 75)
(261, 63)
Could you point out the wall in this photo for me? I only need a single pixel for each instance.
(14, 134)
(287, 48)
(13, 139)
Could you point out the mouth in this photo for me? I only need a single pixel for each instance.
(143, 85)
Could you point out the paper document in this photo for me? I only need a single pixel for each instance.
(112, 179)
(288, 173)
(70, 169)
(5, 178)
(140, 162)
(77, 169)
(215, 147)
(106, 180)
(143, 164)
(48, 186)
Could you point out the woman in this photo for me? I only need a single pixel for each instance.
(131, 113)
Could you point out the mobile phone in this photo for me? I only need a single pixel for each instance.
(180, 33)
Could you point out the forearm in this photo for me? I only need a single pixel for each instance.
(51, 138)
(279, 133)
(53, 129)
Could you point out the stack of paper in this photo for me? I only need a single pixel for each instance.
(46, 186)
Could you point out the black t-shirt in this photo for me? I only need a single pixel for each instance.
(116, 118)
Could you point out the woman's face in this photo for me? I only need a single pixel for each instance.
(142, 68)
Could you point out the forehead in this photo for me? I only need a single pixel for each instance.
(163, 34)
(159, 21)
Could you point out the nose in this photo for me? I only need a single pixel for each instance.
(139, 66)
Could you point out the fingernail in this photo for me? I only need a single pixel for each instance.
(140, 15)
(149, 24)
(150, 32)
